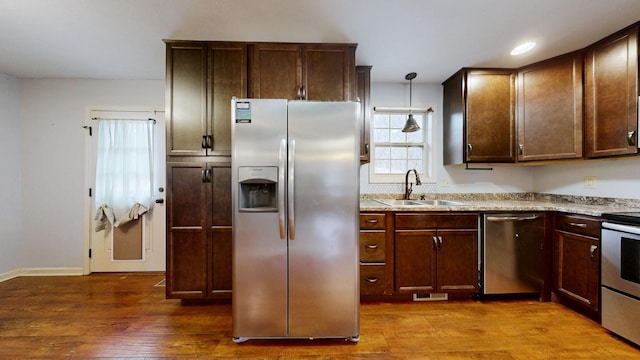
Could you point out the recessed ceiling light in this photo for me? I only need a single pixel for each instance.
(523, 48)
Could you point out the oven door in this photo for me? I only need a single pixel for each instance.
(621, 258)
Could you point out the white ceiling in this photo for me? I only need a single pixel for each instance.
(122, 39)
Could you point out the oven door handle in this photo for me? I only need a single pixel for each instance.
(623, 228)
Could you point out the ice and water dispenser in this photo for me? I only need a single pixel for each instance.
(258, 188)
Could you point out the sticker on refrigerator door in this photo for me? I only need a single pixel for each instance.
(243, 112)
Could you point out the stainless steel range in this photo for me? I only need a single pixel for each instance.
(621, 274)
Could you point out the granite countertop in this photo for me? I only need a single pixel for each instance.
(508, 202)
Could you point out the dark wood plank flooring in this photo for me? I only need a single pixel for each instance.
(120, 316)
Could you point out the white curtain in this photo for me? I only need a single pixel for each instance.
(124, 171)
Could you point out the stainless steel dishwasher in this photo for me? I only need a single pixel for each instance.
(512, 253)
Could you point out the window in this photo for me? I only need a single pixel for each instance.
(395, 152)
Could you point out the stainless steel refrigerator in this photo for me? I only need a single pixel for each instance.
(295, 181)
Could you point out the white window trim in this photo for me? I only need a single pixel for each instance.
(429, 150)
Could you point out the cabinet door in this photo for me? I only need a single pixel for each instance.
(490, 116)
(328, 72)
(611, 96)
(479, 116)
(457, 269)
(227, 78)
(363, 92)
(415, 261)
(276, 71)
(186, 96)
(220, 235)
(577, 267)
(550, 109)
(186, 231)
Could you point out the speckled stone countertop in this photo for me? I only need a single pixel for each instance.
(594, 206)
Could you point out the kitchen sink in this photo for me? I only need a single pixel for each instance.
(399, 202)
(394, 202)
(440, 202)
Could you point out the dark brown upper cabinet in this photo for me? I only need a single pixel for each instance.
(201, 79)
(363, 93)
(303, 71)
(611, 95)
(550, 109)
(479, 116)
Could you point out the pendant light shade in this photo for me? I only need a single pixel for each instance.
(411, 125)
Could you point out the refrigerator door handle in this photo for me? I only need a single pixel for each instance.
(282, 157)
(291, 188)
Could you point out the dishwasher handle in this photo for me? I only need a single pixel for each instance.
(511, 218)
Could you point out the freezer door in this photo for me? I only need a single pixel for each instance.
(323, 249)
(259, 252)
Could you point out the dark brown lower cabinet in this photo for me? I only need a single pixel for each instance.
(198, 230)
(576, 263)
(436, 253)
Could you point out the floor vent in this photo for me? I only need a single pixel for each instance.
(431, 297)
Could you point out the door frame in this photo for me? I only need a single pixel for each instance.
(90, 126)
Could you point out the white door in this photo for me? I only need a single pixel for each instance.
(150, 234)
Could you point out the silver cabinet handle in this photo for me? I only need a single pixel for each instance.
(371, 246)
(371, 280)
(439, 242)
(207, 142)
(469, 149)
(580, 225)
(206, 175)
(631, 138)
(302, 93)
(282, 157)
(521, 149)
(291, 187)
(371, 221)
(435, 242)
(592, 252)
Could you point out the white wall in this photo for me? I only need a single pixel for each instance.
(450, 179)
(619, 178)
(53, 161)
(10, 175)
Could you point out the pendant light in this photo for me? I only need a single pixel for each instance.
(411, 125)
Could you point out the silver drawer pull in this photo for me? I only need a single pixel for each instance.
(580, 225)
(371, 280)
(371, 221)
(371, 246)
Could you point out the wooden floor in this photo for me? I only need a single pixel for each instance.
(126, 316)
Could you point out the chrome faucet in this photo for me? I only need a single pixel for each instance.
(408, 187)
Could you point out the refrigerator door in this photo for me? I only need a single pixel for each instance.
(323, 251)
(259, 250)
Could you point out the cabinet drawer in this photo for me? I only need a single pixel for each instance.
(372, 247)
(372, 221)
(578, 224)
(372, 279)
(436, 221)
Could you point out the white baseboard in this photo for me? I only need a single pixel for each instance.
(41, 272)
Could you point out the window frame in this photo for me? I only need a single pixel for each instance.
(428, 156)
